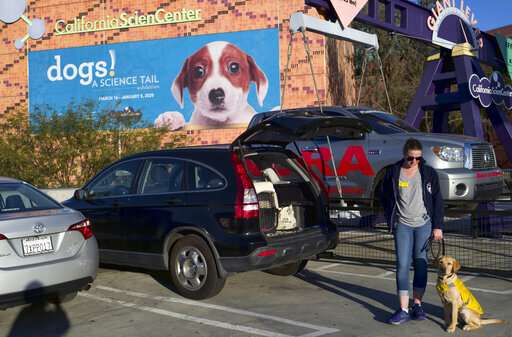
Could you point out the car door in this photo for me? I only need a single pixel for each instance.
(105, 194)
(149, 215)
(207, 197)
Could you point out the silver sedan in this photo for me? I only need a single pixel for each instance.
(47, 251)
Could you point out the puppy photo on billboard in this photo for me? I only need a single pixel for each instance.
(218, 78)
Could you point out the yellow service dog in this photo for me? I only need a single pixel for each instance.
(457, 299)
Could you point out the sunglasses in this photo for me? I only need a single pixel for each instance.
(411, 158)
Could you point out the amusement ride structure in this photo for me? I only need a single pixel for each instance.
(453, 78)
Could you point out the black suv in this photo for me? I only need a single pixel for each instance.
(205, 212)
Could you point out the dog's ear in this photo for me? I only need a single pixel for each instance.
(259, 78)
(456, 266)
(180, 83)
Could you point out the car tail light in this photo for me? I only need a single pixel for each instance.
(246, 203)
(83, 227)
(3, 237)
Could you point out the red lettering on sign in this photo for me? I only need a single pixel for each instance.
(321, 160)
(281, 171)
(346, 190)
(362, 164)
(253, 168)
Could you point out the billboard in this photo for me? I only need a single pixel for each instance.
(206, 81)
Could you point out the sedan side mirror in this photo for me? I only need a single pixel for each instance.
(81, 194)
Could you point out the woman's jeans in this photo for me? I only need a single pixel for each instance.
(411, 245)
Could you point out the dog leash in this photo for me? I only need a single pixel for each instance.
(437, 248)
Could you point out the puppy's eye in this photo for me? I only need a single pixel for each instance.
(199, 72)
(234, 68)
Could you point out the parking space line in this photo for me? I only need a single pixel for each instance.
(468, 277)
(320, 330)
(218, 324)
(381, 277)
(327, 266)
(386, 274)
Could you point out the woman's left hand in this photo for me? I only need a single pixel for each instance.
(438, 234)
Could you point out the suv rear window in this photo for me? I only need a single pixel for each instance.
(203, 178)
(385, 123)
(18, 197)
(163, 176)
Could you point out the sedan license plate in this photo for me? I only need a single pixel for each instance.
(37, 245)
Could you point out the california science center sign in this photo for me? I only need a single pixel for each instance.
(491, 90)
(125, 20)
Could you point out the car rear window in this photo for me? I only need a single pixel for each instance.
(205, 179)
(163, 176)
(18, 197)
(394, 120)
(276, 167)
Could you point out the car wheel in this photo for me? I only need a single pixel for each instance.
(193, 270)
(63, 298)
(288, 269)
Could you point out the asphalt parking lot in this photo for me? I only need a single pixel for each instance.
(328, 299)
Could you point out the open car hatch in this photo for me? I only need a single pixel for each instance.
(283, 128)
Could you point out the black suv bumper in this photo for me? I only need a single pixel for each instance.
(282, 250)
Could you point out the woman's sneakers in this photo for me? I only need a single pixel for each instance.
(399, 317)
(417, 313)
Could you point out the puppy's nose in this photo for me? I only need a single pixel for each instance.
(216, 96)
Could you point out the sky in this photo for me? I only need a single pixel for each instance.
(491, 13)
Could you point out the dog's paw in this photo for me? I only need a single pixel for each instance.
(451, 329)
(172, 120)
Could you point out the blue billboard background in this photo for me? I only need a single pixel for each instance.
(140, 74)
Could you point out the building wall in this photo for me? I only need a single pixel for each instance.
(217, 16)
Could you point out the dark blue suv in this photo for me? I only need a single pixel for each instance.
(205, 212)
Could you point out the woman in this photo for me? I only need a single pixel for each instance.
(413, 206)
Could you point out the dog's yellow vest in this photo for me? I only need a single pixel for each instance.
(467, 297)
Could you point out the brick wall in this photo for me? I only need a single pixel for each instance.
(217, 16)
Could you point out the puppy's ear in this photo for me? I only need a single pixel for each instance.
(259, 78)
(456, 266)
(180, 82)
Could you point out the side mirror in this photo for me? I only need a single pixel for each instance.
(81, 194)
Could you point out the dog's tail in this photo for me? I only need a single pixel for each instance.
(491, 321)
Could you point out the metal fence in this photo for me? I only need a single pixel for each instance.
(480, 238)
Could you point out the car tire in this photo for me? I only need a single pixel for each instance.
(193, 269)
(63, 298)
(289, 269)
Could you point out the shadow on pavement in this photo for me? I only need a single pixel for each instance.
(40, 319)
(353, 292)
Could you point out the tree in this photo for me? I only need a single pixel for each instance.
(402, 60)
(66, 148)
